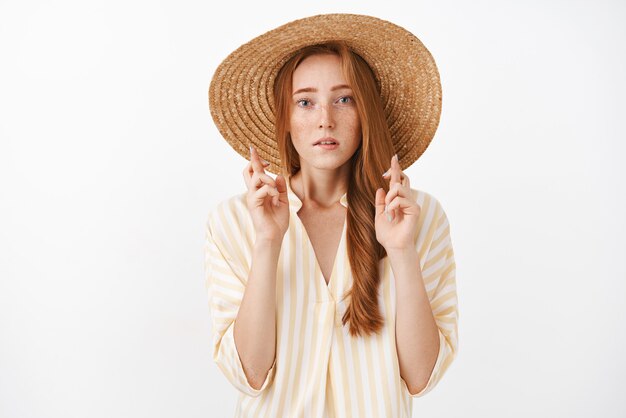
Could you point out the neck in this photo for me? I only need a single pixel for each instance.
(320, 188)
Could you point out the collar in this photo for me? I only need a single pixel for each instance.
(295, 203)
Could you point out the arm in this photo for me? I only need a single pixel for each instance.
(426, 305)
(228, 281)
(417, 335)
(255, 327)
(427, 312)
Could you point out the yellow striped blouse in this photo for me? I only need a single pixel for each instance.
(319, 369)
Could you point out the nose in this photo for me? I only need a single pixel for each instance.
(326, 117)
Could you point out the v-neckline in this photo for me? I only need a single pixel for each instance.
(328, 285)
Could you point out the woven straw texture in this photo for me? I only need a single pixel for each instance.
(241, 99)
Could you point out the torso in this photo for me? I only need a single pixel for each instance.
(324, 229)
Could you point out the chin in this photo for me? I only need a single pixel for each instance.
(333, 164)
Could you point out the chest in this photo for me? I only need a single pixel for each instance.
(324, 230)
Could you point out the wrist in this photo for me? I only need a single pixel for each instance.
(401, 252)
(268, 242)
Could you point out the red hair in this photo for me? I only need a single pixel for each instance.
(368, 164)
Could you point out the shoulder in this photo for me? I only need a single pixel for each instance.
(229, 213)
(427, 202)
(231, 205)
(433, 216)
(229, 233)
(433, 226)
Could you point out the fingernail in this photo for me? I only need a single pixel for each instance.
(389, 217)
(250, 150)
(265, 162)
(386, 172)
(396, 157)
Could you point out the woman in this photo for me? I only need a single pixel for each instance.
(332, 286)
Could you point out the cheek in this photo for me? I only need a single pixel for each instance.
(355, 125)
(297, 126)
(297, 123)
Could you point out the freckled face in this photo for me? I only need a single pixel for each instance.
(323, 106)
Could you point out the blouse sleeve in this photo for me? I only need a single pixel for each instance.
(439, 274)
(225, 284)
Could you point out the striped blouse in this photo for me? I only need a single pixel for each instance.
(320, 370)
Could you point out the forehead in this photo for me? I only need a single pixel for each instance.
(318, 68)
(320, 57)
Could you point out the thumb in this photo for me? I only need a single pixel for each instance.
(380, 201)
(281, 184)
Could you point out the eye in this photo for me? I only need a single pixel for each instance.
(303, 102)
(345, 99)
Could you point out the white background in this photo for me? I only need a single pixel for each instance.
(110, 162)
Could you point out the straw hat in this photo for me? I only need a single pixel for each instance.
(241, 98)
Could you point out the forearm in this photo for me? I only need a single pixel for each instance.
(417, 335)
(255, 326)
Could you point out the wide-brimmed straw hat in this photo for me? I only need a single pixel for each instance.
(241, 97)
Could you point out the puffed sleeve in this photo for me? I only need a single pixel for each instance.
(226, 276)
(439, 274)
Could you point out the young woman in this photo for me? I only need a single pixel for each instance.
(332, 286)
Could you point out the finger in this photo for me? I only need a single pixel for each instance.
(396, 190)
(281, 187)
(248, 171)
(247, 174)
(406, 182)
(399, 203)
(380, 201)
(396, 171)
(257, 165)
(267, 179)
(387, 175)
(259, 179)
(262, 193)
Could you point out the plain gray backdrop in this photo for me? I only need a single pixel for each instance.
(110, 163)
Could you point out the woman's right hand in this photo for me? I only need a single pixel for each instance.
(267, 200)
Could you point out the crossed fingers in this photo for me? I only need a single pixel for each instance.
(399, 186)
(256, 165)
(257, 181)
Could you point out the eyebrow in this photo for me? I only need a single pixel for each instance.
(312, 89)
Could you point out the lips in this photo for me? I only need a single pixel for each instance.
(327, 139)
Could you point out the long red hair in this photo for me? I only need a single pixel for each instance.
(368, 164)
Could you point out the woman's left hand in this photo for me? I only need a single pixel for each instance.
(399, 232)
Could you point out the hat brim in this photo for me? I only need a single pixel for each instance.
(241, 98)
